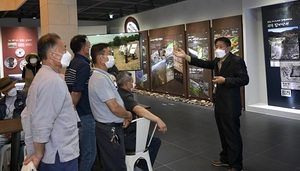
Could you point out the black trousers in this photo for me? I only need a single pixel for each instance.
(231, 139)
(111, 155)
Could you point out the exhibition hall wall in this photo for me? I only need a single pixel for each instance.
(85, 29)
(256, 91)
(191, 11)
(188, 11)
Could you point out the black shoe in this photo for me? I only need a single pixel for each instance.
(233, 169)
(218, 163)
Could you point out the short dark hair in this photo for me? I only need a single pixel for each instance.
(45, 43)
(123, 77)
(98, 49)
(77, 42)
(225, 40)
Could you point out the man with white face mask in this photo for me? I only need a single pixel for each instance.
(11, 104)
(108, 110)
(126, 86)
(30, 69)
(77, 77)
(230, 74)
(49, 119)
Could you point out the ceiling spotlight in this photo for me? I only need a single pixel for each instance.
(20, 16)
(111, 16)
(34, 15)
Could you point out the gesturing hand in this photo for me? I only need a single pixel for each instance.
(218, 80)
(180, 53)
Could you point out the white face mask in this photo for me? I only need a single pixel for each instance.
(111, 62)
(66, 59)
(220, 53)
(90, 51)
(33, 60)
(133, 86)
(12, 92)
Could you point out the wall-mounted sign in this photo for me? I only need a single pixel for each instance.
(10, 62)
(131, 25)
(20, 52)
(16, 43)
(281, 25)
(22, 64)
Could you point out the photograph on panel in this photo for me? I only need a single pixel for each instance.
(284, 43)
(290, 71)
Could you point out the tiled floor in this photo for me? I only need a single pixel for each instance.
(192, 140)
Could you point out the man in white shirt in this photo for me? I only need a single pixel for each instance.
(49, 119)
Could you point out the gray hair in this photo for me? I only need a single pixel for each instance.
(123, 77)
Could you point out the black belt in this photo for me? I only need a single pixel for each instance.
(111, 124)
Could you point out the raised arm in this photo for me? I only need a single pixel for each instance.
(142, 112)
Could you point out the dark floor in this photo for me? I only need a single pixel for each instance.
(192, 140)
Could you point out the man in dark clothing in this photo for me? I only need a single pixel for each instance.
(230, 74)
(77, 76)
(125, 86)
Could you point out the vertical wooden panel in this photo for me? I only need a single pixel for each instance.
(198, 38)
(143, 76)
(168, 72)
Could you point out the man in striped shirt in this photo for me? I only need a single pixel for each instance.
(77, 76)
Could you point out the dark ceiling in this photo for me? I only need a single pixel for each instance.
(94, 10)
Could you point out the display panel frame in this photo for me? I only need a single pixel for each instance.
(125, 48)
(168, 73)
(198, 37)
(281, 24)
(143, 78)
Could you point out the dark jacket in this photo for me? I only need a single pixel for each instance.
(113, 70)
(29, 73)
(20, 103)
(234, 70)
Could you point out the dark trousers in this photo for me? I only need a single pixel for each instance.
(153, 150)
(231, 139)
(87, 143)
(130, 141)
(59, 166)
(111, 155)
